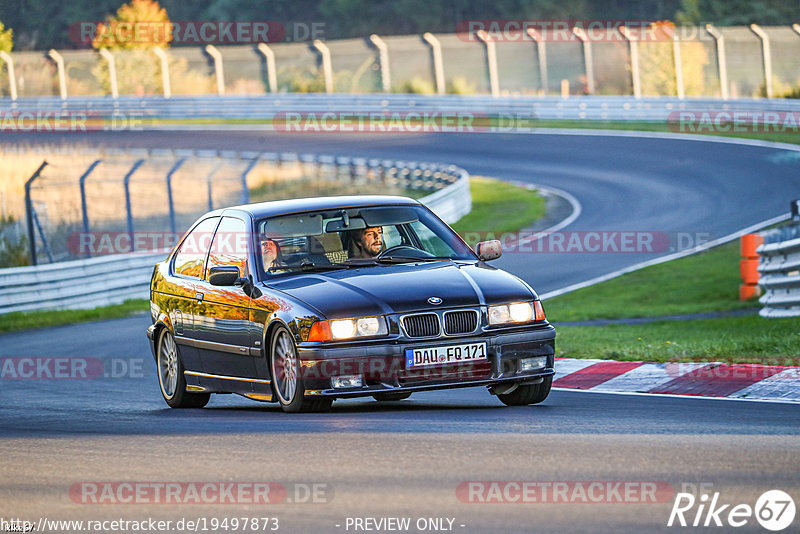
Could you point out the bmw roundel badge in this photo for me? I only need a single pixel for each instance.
(434, 300)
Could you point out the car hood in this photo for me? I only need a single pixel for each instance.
(385, 289)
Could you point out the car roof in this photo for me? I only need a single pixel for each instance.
(296, 205)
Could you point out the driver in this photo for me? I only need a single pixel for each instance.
(366, 243)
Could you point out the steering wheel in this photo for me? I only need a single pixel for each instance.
(416, 253)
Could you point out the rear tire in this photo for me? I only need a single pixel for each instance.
(528, 394)
(390, 397)
(171, 379)
(287, 384)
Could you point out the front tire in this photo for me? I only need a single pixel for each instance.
(286, 381)
(171, 379)
(528, 394)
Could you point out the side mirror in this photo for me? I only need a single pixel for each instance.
(225, 275)
(489, 250)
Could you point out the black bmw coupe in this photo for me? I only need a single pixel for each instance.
(304, 301)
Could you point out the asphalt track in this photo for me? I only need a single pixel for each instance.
(407, 459)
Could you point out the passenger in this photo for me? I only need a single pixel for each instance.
(271, 254)
(366, 243)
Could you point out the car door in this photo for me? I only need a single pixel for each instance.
(222, 331)
(186, 270)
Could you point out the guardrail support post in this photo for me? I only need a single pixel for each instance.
(62, 73)
(245, 189)
(170, 201)
(766, 55)
(721, 64)
(383, 59)
(12, 78)
(438, 64)
(587, 57)
(30, 213)
(219, 73)
(210, 183)
(112, 71)
(162, 56)
(491, 62)
(269, 57)
(126, 181)
(84, 207)
(633, 46)
(541, 53)
(676, 55)
(327, 69)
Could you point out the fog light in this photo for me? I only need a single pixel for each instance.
(529, 364)
(347, 381)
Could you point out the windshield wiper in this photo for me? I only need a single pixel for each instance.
(410, 259)
(310, 266)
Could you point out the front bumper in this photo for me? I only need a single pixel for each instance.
(382, 364)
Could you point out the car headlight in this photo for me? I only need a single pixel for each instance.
(348, 328)
(516, 312)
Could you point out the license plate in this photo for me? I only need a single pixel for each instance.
(449, 354)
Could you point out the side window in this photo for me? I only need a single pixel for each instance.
(230, 245)
(191, 257)
(391, 237)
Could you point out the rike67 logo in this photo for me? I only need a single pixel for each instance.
(774, 510)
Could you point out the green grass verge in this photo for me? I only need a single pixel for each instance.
(705, 282)
(45, 319)
(496, 206)
(500, 207)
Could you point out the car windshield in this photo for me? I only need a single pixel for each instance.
(344, 238)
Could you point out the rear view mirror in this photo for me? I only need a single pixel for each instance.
(489, 250)
(226, 275)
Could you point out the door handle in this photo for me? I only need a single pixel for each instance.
(199, 296)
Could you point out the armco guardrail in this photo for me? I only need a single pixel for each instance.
(261, 111)
(113, 279)
(779, 267)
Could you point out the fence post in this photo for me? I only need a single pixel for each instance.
(721, 65)
(588, 66)
(172, 171)
(210, 182)
(383, 59)
(676, 55)
(766, 55)
(165, 83)
(12, 78)
(29, 211)
(269, 57)
(84, 207)
(438, 64)
(245, 189)
(541, 52)
(327, 69)
(219, 73)
(62, 73)
(633, 46)
(491, 62)
(126, 181)
(112, 71)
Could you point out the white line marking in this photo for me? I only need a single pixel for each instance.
(656, 395)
